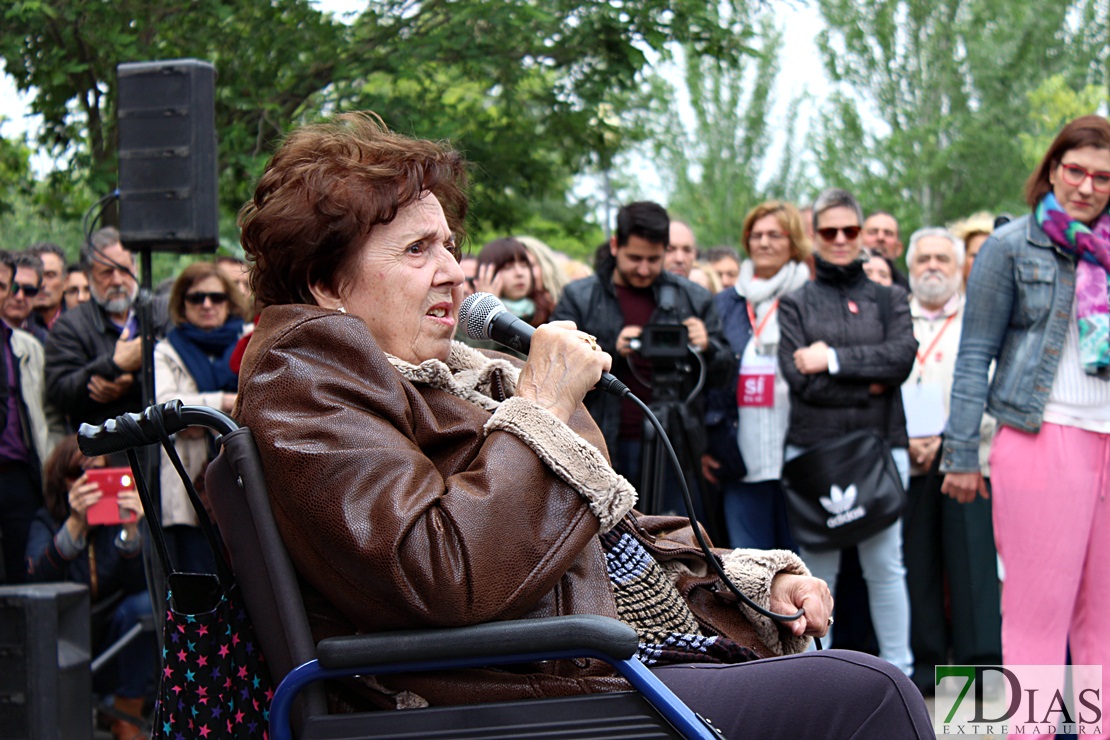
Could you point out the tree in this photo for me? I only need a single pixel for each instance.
(15, 171)
(516, 84)
(713, 166)
(1051, 105)
(934, 97)
(67, 52)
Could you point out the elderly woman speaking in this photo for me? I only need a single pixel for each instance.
(418, 482)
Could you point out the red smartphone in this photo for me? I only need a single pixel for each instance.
(107, 510)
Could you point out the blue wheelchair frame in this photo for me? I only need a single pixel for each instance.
(268, 581)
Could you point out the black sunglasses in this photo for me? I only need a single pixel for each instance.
(198, 298)
(829, 232)
(28, 290)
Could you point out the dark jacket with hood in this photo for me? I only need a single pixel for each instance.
(874, 344)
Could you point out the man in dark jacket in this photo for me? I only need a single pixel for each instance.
(94, 353)
(22, 435)
(629, 292)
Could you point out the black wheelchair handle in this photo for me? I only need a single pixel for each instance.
(129, 431)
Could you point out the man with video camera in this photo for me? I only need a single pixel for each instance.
(665, 338)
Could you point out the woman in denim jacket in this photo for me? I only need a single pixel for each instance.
(1037, 305)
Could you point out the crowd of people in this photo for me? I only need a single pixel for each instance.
(70, 335)
(749, 357)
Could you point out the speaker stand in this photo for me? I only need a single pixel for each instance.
(151, 455)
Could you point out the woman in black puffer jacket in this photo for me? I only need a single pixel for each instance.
(847, 345)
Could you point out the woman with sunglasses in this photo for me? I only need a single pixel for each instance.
(192, 364)
(846, 347)
(1037, 307)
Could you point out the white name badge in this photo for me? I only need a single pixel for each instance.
(924, 404)
(756, 386)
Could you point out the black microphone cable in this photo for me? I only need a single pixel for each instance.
(480, 311)
(689, 503)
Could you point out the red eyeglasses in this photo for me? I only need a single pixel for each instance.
(829, 232)
(1074, 175)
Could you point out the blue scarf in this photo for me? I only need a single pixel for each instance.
(206, 354)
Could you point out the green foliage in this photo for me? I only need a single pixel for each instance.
(712, 167)
(24, 222)
(520, 86)
(947, 81)
(1052, 104)
(15, 172)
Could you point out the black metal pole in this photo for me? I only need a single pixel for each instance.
(150, 455)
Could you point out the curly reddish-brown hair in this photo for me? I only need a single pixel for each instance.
(323, 191)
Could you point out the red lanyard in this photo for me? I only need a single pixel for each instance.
(758, 329)
(922, 358)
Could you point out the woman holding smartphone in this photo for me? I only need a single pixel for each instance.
(63, 546)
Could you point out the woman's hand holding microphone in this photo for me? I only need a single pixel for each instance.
(563, 365)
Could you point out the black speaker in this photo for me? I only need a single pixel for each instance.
(45, 684)
(167, 156)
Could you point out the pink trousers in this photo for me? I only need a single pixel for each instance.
(1052, 528)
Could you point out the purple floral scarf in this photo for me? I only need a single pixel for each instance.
(1091, 246)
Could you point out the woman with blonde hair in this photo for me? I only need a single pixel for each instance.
(547, 271)
(704, 275)
(974, 230)
(747, 429)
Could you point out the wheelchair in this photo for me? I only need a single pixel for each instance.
(240, 507)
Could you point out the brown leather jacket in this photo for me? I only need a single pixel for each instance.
(417, 496)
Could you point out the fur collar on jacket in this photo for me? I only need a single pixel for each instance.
(468, 374)
(472, 376)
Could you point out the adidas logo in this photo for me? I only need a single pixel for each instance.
(841, 503)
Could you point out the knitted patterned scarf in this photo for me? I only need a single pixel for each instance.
(650, 603)
(1092, 278)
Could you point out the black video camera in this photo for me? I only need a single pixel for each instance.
(661, 341)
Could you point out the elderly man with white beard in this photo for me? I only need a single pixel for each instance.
(941, 536)
(94, 352)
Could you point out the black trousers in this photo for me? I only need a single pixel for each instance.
(825, 694)
(942, 537)
(19, 500)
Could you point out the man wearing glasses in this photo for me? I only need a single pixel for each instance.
(20, 299)
(22, 435)
(94, 353)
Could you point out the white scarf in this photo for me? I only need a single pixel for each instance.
(762, 294)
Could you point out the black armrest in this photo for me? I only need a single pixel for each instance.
(549, 634)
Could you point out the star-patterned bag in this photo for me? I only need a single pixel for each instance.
(215, 683)
(214, 680)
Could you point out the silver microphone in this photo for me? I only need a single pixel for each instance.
(486, 317)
